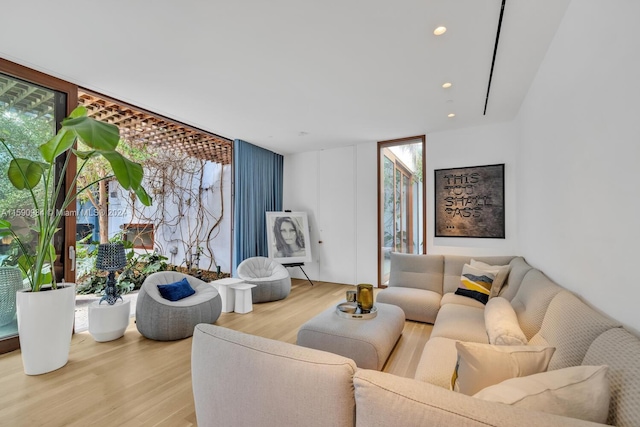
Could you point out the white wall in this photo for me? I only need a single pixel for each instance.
(477, 146)
(337, 188)
(572, 166)
(175, 234)
(300, 176)
(578, 184)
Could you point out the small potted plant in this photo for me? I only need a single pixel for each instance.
(46, 308)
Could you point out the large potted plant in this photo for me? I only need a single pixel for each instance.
(45, 309)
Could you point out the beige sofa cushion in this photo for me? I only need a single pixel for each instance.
(418, 304)
(570, 326)
(578, 392)
(483, 365)
(518, 268)
(460, 322)
(416, 271)
(530, 303)
(502, 323)
(437, 362)
(384, 400)
(619, 349)
(245, 380)
(451, 298)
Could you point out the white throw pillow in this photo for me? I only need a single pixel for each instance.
(578, 392)
(501, 322)
(500, 272)
(483, 365)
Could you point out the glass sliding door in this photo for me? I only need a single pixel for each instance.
(30, 113)
(401, 202)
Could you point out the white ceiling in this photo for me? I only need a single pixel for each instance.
(292, 75)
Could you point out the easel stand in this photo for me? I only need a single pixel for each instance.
(299, 264)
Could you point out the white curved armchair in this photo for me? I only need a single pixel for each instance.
(271, 278)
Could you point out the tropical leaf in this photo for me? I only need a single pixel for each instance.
(5, 224)
(95, 134)
(25, 173)
(79, 111)
(25, 262)
(57, 145)
(129, 174)
(143, 196)
(85, 155)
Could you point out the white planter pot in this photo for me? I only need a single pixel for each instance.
(45, 326)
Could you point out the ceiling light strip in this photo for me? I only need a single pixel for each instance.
(493, 61)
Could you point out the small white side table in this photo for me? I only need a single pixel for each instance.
(108, 322)
(244, 302)
(227, 296)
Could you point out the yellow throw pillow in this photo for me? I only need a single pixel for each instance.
(577, 392)
(483, 365)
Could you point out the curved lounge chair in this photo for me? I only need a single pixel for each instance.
(163, 320)
(271, 278)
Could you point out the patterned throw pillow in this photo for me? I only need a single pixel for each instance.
(501, 273)
(475, 283)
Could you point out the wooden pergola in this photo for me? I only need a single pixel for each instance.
(149, 129)
(136, 125)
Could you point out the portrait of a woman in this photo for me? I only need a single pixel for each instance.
(289, 239)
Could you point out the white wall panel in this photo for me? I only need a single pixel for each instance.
(580, 156)
(300, 178)
(337, 215)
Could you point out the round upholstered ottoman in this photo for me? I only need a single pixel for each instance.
(163, 320)
(271, 278)
(368, 342)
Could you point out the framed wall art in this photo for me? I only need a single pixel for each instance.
(469, 202)
(288, 237)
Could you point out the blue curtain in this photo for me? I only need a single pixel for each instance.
(258, 189)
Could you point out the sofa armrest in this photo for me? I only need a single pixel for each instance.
(246, 380)
(384, 400)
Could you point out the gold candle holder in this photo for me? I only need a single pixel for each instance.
(364, 296)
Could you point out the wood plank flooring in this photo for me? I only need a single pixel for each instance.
(134, 381)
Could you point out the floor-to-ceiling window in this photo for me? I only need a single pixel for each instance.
(32, 105)
(401, 207)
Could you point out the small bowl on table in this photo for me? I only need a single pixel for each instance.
(348, 307)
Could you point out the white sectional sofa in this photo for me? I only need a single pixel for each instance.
(244, 380)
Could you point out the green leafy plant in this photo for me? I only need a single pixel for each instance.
(102, 140)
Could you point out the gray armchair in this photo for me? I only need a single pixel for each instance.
(164, 320)
(271, 278)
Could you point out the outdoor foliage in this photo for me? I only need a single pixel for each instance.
(34, 175)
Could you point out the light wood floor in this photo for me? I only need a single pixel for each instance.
(134, 381)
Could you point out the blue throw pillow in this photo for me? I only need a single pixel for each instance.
(176, 291)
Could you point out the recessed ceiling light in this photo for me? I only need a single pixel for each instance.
(446, 85)
(451, 115)
(440, 31)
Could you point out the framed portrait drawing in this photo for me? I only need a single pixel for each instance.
(288, 237)
(469, 202)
